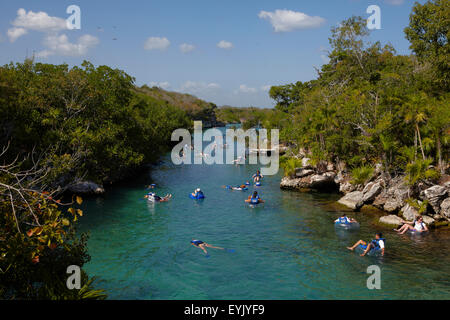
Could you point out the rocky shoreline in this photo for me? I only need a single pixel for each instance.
(392, 195)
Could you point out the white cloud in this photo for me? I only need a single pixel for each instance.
(36, 21)
(266, 87)
(185, 47)
(225, 45)
(245, 89)
(288, 20)
(55, 43)
(198, 87)
(60, 45)
(394, 2)
(156, 43)
(15, 33)
(164, 85)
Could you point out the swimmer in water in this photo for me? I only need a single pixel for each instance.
(254, 198)
(157, 198)
(238, 188)
(345, 220)
(197, 192)
(377, 243)
(417, 225)
(202, 245)
(257, 176)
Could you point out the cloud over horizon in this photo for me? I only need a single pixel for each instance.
(225, 45)
(156, 43)
(54, 42)
(186, 47)
(288, 20)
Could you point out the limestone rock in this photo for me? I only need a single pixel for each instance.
(302, 172)
(391, 220)
(353, 200)
(371, 191)
(445, 208)
(435, 195)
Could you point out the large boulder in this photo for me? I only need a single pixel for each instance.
(409, 212)
(318, 182)
(394, 198)
(371, 191)
(86, 187)
(303, 172)
(445, 208)
(391, 220)
(435, 195)
(346, 187)
(393, 204)
(353, 200)
(428, 220)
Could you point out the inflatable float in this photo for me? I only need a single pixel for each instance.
(346, 225)
(199, 196)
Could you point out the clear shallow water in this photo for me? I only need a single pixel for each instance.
(287, 248)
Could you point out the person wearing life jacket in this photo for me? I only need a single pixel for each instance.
(197, 193)
(254, 198)
(257, 176)
(378, 244)
(417, 225)
(202, 245)
(345, 220)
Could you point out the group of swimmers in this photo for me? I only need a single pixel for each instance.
(379, 242)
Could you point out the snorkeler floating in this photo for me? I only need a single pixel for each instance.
(376, 244)
(202, 245)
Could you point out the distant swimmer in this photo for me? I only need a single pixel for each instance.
(417, 226)
(202, 245)
(239, 159)
(197, 194)
(254, 198)
(238, 188)
(155, 198)
(345, 220)
(257, 176)
(377, 244)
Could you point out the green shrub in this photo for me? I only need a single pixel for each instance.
(362, 174)
(419, 171)
(289, 165)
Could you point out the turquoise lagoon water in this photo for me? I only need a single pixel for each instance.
(286, 248)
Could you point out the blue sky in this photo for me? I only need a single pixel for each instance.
(227, 52)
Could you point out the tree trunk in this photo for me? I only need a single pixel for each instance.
(438, 147)
(420, 141)
(415, 145)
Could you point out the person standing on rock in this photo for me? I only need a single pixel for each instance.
(417, 225)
